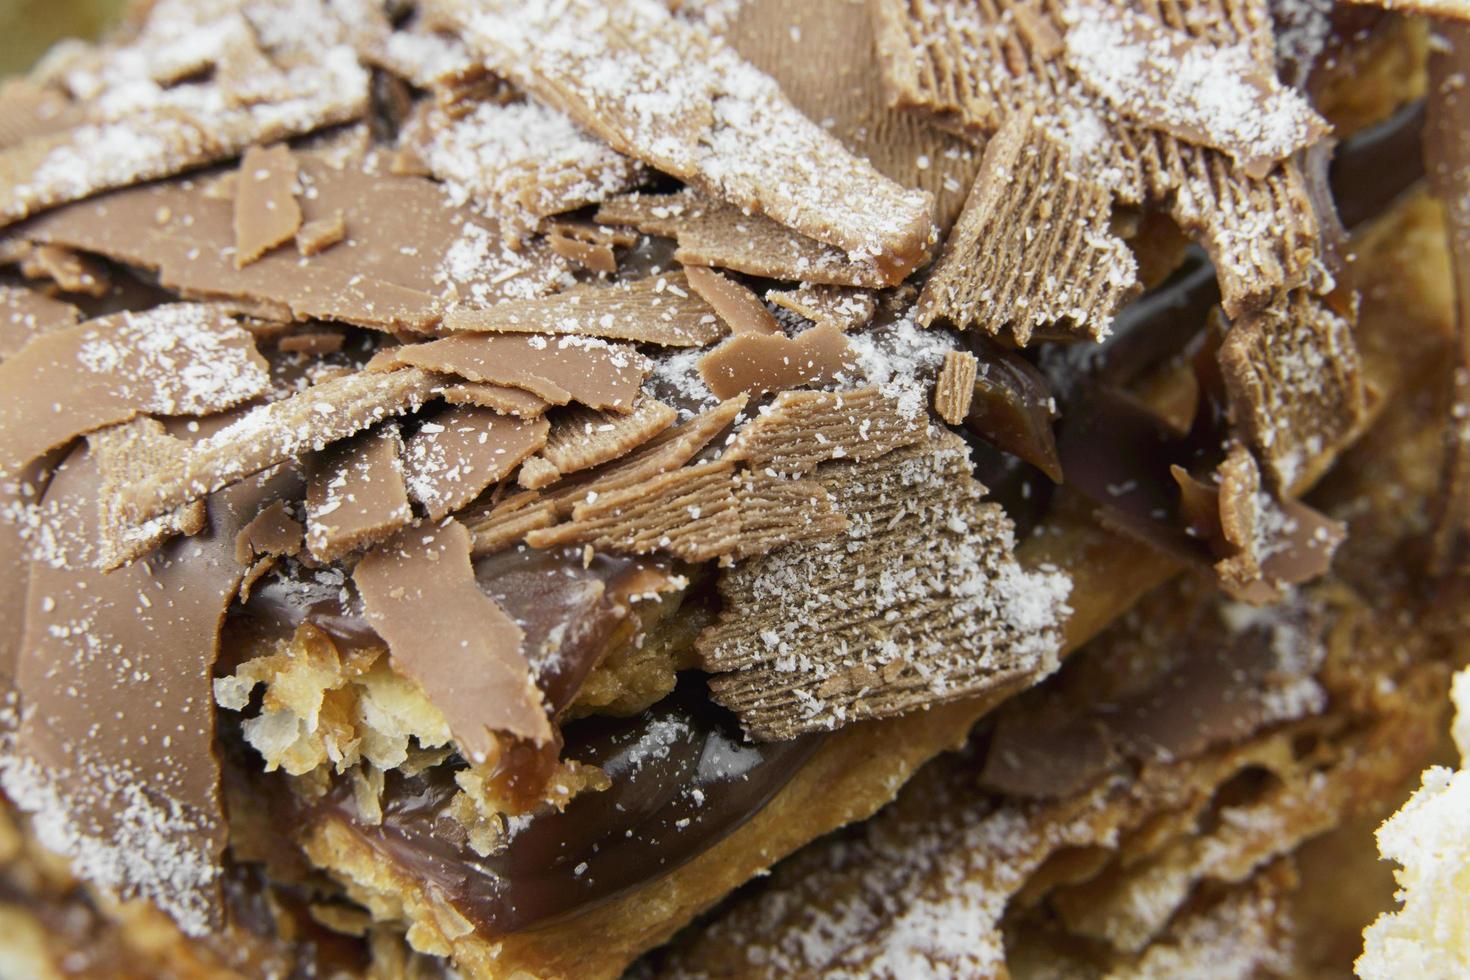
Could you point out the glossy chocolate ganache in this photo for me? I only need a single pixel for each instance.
(680, 775)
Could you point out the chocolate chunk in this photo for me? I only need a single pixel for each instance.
(810, 639)
(307, 421)
(582, 438)
(411, 253)
(659, 309)
(455, 641)
(756, 363)
(135, 802)
(712, 232)
(801, 429)
(456, 455)
(519, 160)
(718, 122)
(1023, 257)
(825, 56)
(1295, 385)
(321, 234)
(698, 513)
(556, 369)
(355, 494)
(26, 314)
(180, 359)
(266, 212)
(135, 127)
(955, 387)
(835, 306)
(741, 309)
(1200, 92)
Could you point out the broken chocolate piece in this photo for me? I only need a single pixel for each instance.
(321, 234)
(719, 124)
(836, 306)
(740, 308)
(555, 369)
(266, 212)
(593, 256)
(755, 364)
(801, 645)
(955, 387)
(1295, 386)
(506, 401)
(801, 429)
(122, 454)
(26, 314)
(582, 438)
(1024, 257)
(658, 309)
(1013, 410)
(71, 271)
(712, 232)
(179, 359)
(1204, 93)
(355, 494)
(456, 642)
(307, 421)
(455, 456)
(272, 535)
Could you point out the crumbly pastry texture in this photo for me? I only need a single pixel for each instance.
(482, 481)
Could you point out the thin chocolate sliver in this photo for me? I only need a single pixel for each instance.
(266, 212)
(456, 642)
(754, 364)
(26, 314)
(355, 494)
(459, 453)
(736, 304)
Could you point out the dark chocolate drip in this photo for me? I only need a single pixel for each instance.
(682, 779)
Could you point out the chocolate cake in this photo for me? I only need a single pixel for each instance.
(727, 488)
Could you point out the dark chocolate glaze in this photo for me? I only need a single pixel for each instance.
(682, 778)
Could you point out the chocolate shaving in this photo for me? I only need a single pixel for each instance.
(801, 429)
(307, 421)
(272, 535)
(717, 122)
(556, 369)
(179, 359)
(320, 234)
(698, 513)
(506, 401)
(411, 255)
(740, 308)
(355, 494)
(1295, 386)
(72, 272)
(834, 306)
(26, 314)
(655, 310)
(123, 454)
(521, 161)
(1026, 255)
(452, 639)
(955, 387)
(135, 127)
(712, 232)
(759, 363)
(582, 438)
(266, 212)
(592, 256)
(314, 343)
(813, 637)
(1200, 92)
(135, 803)
(459, 453)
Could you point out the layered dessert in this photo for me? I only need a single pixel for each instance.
(727, 488)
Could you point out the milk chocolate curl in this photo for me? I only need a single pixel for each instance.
(355, 494)
(555, 369)
(456, 455)
(179, 359)
(266, 212)
(721, 124)
(740, 308)
(456, 642)
(754, 364)
(1200, 92)
(655, 310)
